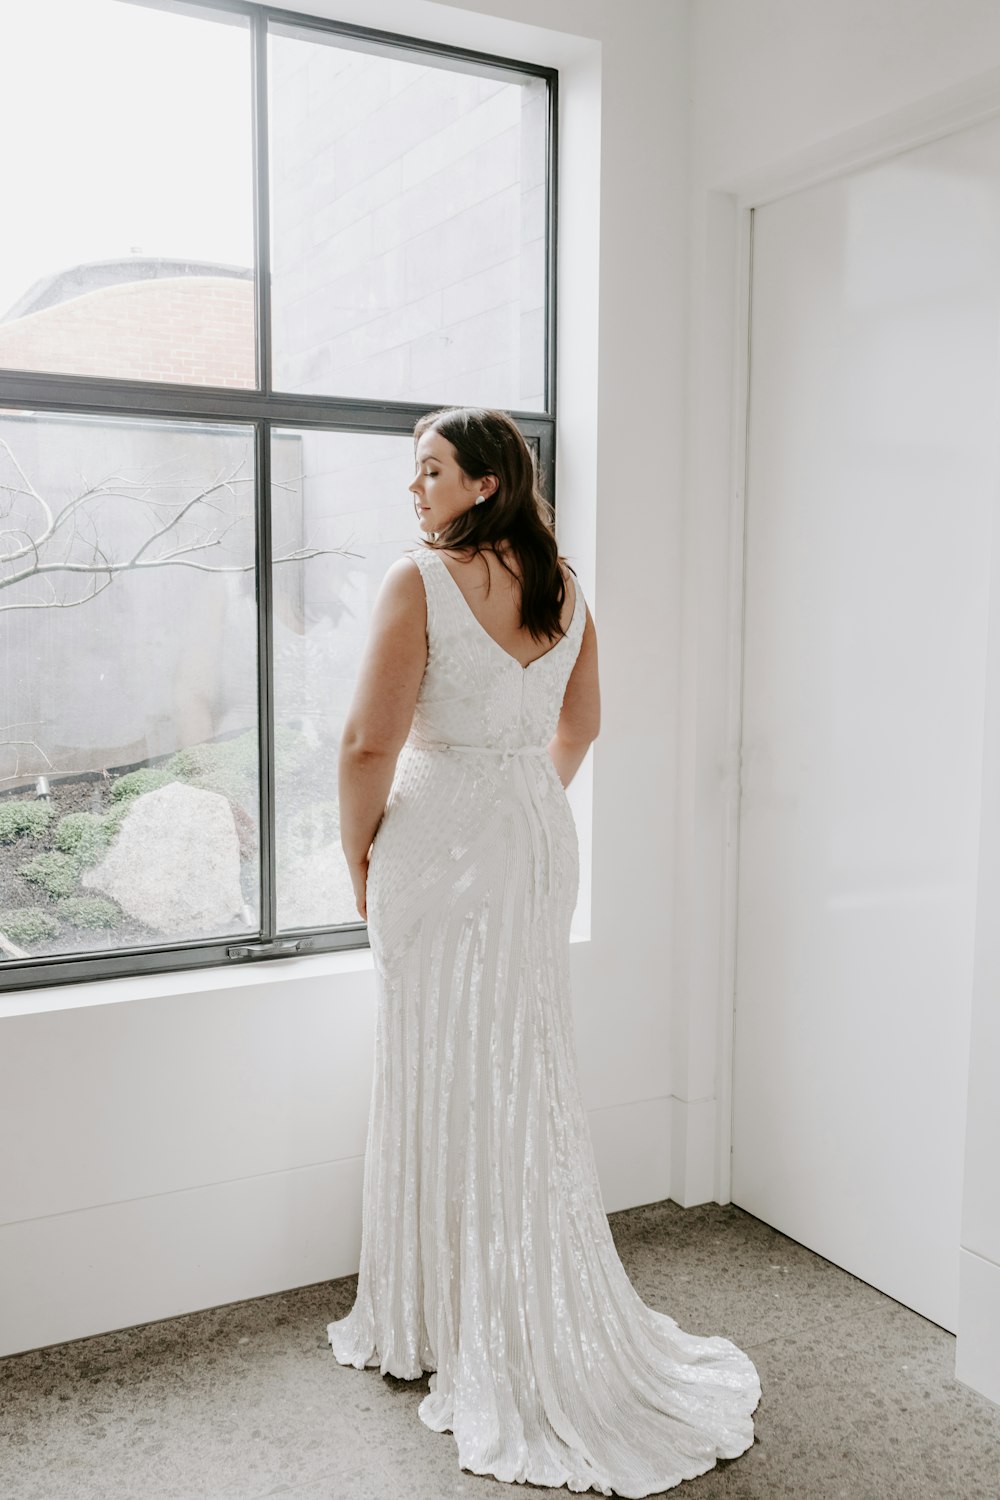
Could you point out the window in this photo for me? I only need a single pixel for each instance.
(243, 252)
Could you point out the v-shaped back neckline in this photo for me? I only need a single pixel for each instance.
(435, 552)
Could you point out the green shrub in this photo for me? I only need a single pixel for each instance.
(237, 756)
(184, 764)
(27, 924)
(86, 835)
(136, 783)
(90, 911)
(55, 872)
(230, 766)
(115, 816)
(23, 817)
(292, 749)
(316, 825)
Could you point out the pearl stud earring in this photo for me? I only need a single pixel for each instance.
(480, 499)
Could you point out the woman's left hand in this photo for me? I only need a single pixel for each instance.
(359, 879)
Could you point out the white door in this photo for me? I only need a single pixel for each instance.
(872, 481)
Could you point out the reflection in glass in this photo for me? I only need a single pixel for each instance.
(408, 226)
(129, 801)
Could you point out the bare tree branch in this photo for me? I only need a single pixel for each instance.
(17, 772)
(27, 561)
(54, 541)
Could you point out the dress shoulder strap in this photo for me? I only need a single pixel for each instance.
(430, 571)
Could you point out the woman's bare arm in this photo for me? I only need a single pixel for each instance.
(580, 716)
(381, 711)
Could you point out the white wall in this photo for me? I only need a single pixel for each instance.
(170, 1144)
(783, 90)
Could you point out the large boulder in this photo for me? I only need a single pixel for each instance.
(175, 863)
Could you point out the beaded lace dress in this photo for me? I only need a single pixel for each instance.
(486, 1256)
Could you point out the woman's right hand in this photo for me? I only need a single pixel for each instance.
(359, 880)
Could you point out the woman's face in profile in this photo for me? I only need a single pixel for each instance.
(441, 490)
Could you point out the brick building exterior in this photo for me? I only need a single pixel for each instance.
(137, 319)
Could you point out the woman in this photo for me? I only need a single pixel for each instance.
(486, 1253)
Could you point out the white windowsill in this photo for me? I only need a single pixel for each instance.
(187, 981)
(112, 991)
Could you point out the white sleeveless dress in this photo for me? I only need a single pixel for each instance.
(486, 1252)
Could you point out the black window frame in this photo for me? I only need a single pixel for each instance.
(265, 409)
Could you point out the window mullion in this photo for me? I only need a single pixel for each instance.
(265, 685)
(261, 199)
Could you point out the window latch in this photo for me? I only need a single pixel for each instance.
(265, 950)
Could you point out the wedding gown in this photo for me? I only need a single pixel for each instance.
(486, 1252)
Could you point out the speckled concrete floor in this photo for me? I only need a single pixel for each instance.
(246, 1401)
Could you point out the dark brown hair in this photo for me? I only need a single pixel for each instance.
(516, 514)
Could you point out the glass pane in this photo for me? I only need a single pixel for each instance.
(345, 493)
(407, 227)
(128, 698)
(127, 248)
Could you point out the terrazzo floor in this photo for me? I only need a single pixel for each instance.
(246, 1401)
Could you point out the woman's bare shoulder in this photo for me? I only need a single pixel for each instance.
(402, 583)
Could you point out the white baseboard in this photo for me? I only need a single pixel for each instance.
(69, 1276)
(632, 1147)
(693, 1151)
(72, 1275)
(977, 1352)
